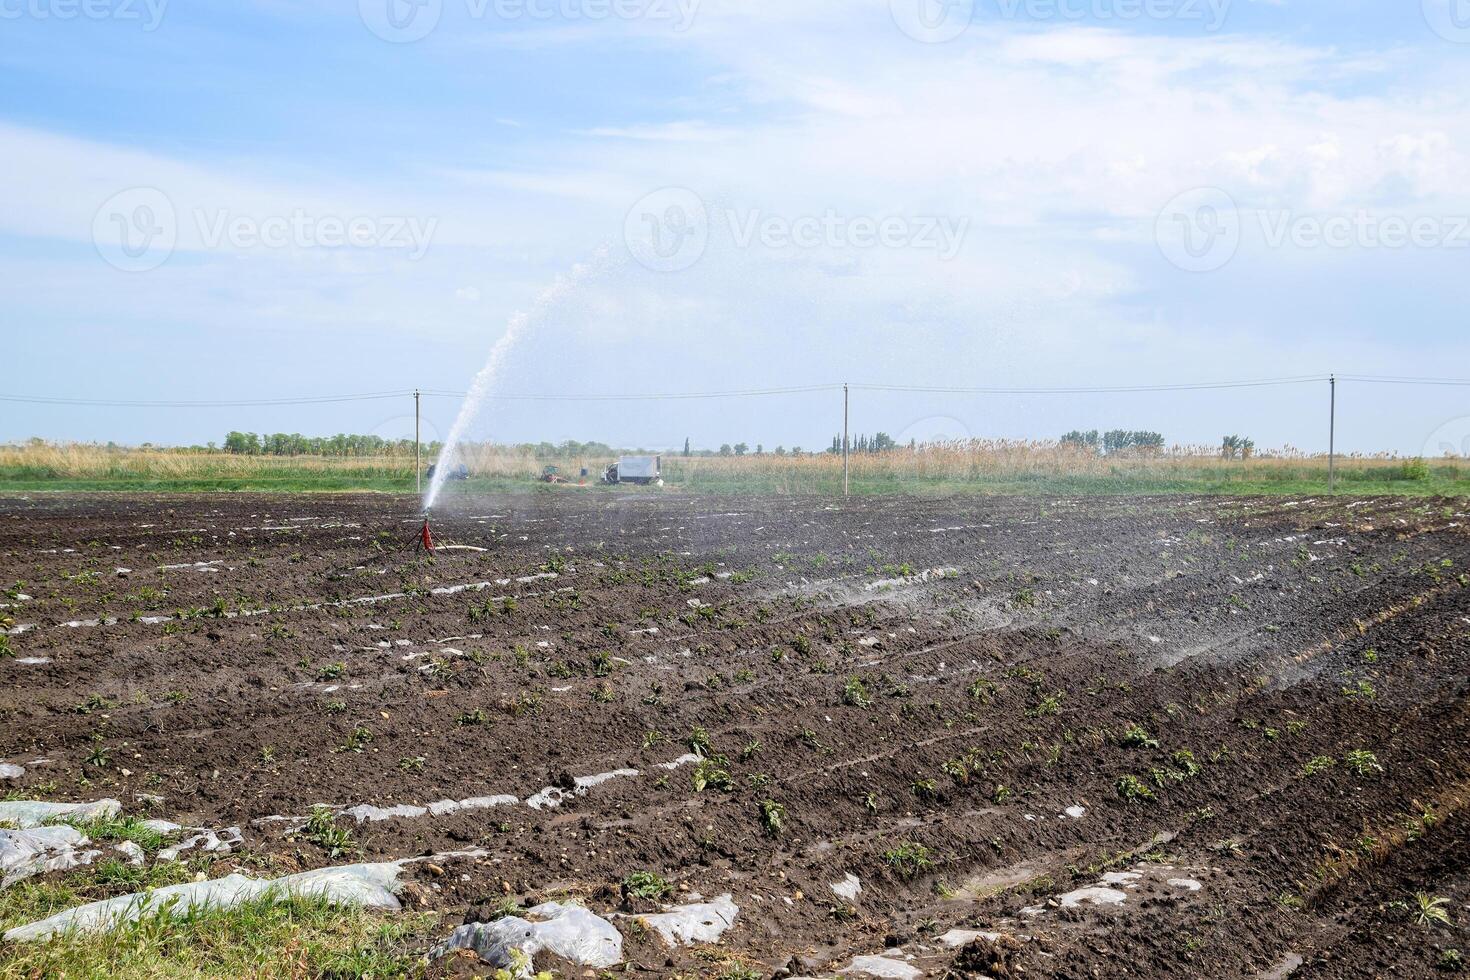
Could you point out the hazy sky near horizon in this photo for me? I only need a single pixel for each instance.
(264, 199)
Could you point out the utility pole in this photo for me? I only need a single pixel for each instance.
(1332, 439)
(418, 461)
(845, 483)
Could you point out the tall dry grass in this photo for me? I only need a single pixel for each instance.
(949, 465)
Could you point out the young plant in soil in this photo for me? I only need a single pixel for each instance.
(1362, 762)
(909, 858)
(1134, 790)
(320, 829)
(647, 885)
(100, 756)
(1137, 737)
(1430, 910)
(699, 742)
(773, 816)
(357, 740)
(855, 693)
(711, 773)
(1046, 705)
(981, 691)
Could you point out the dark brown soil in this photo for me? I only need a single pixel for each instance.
(926, 735)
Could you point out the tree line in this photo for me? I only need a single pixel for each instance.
(343, 444)
(1115, 440)
(1120, 440)
(294, 444)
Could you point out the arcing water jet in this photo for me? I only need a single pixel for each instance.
(489, 377)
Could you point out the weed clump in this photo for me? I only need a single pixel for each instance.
(909, 858)
(1134, 790)
(647, 885)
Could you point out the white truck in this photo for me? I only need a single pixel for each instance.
(643, 470)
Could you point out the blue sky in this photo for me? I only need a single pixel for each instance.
(1049, 174)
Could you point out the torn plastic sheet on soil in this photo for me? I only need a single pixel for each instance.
(548, 797)
(699, 922)
(568, 931)
(24, 853)
(215, 842)
(887, 965)
(367, 813)
(26, 814)
(366, 885)
(552, 796)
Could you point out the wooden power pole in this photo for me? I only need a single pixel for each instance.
(845, 484)
(1332, 438)
(418, 461)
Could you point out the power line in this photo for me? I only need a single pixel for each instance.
(664, 396)
(238, 403)
(1095, 389)
(1390, 380)
(731, 393)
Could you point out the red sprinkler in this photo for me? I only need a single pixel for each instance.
(426, 538)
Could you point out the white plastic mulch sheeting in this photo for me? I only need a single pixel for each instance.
(568, 931)
(367, 885)
(26, 814)
(888, 966)
(31, 852)
(700, 922)
(214, 841)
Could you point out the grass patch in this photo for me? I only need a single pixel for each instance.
(980, 467)
(297, 937)
(115, 830)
